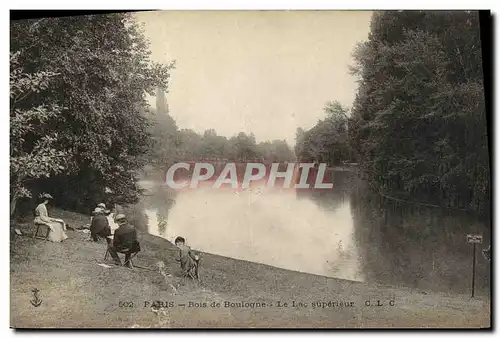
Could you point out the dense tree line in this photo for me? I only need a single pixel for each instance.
(418, 123)
(417, 126)
(172, 144)
(77, 108)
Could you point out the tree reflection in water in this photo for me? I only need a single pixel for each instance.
(405, 244)
(162, 218)
(161, 199)
(416, 246)
(363, 235)
(330, 199)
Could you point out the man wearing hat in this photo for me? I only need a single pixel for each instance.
(99, 226)
(124, 240)
(102, 206)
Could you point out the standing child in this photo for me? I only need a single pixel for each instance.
(189, 261)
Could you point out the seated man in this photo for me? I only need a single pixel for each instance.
(124, 240)
(189, 261)
(100, 226)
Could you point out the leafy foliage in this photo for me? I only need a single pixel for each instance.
(78, 88)
(418, 122)
(172, 145)
(39, 158)
(327, 141)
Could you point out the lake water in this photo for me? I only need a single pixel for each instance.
(344, 232)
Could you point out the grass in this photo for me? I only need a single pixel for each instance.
(78, 293)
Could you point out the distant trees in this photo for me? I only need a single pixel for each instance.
(418, 122)
(187, 145)
(243, 147)
(327, 141)
(190, 144)
(170, 145)
(165, 139)
(213, 145)
(78, 88)
(161, 102)
(276, 151)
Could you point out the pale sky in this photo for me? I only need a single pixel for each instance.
(266, 72)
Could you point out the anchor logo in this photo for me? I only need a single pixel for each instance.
(36, 302)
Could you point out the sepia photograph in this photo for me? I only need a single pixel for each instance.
(255, 169)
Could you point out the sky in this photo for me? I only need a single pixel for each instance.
(265, 72)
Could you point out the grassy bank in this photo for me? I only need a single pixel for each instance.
(76, 292)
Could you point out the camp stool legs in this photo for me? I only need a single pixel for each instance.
(197, 271)
(197, 267)
(108, 241)
(129, 261)
(194, 272)
(124, 252)
(38, 225)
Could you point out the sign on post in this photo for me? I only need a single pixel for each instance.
(474, 239)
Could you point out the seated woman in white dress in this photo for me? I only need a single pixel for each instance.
(56, 225)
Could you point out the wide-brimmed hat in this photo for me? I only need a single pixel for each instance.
(120, 217)
(45, 196)
(98, 211)
(102, 205)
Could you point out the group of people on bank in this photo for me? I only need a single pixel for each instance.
(120, 240)
(120, 235)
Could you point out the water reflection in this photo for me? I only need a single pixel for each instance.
(418, 247)
(345, 232)
(266, 225)
(156, 205)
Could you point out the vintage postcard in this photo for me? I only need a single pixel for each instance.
(250, 169)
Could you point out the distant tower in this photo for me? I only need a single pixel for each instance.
(161, 101)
